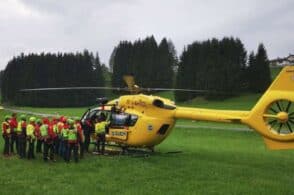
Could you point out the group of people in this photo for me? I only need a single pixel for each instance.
(59, 136)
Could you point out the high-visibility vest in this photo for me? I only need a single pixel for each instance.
(30, 131)
(64, 133)
(72, 134)
(55, 129)
(44, 130)
(77, 126)
(5, 127)
(100, 127)
(60, 126)
(20, 125)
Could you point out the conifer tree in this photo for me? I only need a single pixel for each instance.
(259, 71)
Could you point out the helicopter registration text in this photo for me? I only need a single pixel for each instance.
(118, 134)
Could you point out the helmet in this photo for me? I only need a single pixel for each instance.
(23, 117)
(63, 119)
(32, 119)
(45, 120)
(7, 117)
(70, 121)
(39, 121)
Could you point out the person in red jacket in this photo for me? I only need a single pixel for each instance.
(87, 130)
(61, 125)
(6, 135)
(78, 126)
(13, 126)
(48, 136)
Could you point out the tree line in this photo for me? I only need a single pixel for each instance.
(221, 68)
(50, 71)
(150, 63)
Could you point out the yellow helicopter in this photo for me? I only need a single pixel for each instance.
(144, 121)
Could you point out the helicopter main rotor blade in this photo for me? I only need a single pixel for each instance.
(174, 89)
(121, 89)
(73, 88)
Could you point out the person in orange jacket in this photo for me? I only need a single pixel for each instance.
(13, 126)
(6, 135)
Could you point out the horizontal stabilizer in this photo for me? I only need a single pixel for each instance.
(276, 145)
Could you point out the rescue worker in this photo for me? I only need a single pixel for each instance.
(47, 137)
(31, 137)
(64, 141)
(88, 128)
(56, 141)
(60, 126)
(38, 136)
(72, 141)
(6, 135)
(100, 127)
(78, 126)
(21, 135)
(13, 126)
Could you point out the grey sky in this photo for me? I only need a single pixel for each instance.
(72, 25)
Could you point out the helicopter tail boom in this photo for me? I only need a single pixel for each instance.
(225, 116)
(272, 116)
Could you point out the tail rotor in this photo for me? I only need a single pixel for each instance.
(279, 116)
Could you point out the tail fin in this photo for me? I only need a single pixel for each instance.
(273, 115)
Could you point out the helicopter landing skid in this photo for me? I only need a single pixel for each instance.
(119, 150)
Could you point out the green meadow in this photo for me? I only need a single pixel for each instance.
(190, 161)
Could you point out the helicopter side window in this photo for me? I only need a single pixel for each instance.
(120, 120)
(132, 120)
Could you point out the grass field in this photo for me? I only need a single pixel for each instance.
(210, 162)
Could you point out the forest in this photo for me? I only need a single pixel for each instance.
(220, 67)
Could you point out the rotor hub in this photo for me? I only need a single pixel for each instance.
(283, 117)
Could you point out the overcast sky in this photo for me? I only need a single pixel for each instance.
(98, 25)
